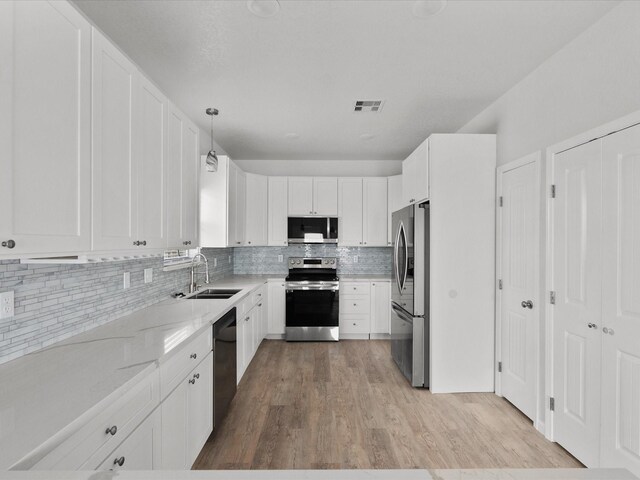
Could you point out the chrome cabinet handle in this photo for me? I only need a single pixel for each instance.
(196, 375)
(609, 331)
(111, 430)
(9, 244)
(136, 243)
(193, 355)
(192, 381)
(527, 304)
(119, 461)
(592, 325)
(144, 243)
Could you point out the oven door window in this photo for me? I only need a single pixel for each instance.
(312, 308)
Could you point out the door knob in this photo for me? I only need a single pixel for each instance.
(527, 304)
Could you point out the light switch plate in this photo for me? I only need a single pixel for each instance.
(355, 259)
(148, 275)
(6, 304)
(127, 280)
(229, 258)
(215, 262)
(281, 258)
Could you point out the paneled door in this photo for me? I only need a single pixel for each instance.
(45, 128)
(621, 300)
(576, 315)
(325, 196)
(518, 302)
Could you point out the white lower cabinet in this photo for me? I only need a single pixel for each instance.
(187, 417)
(140, 451)
(277, 309)
(365, 309)
(251, 328)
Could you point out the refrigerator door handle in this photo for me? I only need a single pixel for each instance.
(396, 249)
(406, 256)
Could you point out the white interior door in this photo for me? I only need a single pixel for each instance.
(519, 261)
(621, 300)
(576, 281)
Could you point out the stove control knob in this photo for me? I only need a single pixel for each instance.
(332, 262)
(298, 262)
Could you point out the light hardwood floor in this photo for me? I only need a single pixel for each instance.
(345, 405)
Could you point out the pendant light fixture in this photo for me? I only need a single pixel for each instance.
(212, 158)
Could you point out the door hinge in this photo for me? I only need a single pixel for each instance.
(552, 297)
(500, 284)
(499, 367)
(501, 200)
(553, 191)
(552, 404)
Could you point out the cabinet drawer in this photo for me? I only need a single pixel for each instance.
(88, 447)
(357, 305)
(354, 324)
(259, 295)
(354, 288)
(174, 370)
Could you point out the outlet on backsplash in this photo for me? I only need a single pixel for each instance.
(6, 305)
(355, 259)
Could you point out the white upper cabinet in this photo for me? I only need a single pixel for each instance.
(277, 211)
(415, 175)
(237, 206)
(257, 216)
(300, 196)
(350, 211)
(45, 118)
(394, 201)
(313, 196)
(241, 210)
(374, 212)
(325, 196)
(150, 148)
(182, 181)
(114, 169)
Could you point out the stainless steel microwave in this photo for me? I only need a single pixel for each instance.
(312, 229)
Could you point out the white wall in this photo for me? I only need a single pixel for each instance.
(591, 81)
(338, 168)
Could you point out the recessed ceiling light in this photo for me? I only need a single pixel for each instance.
(428, 8)
(263, 8)
(292, 136)
(367, 136)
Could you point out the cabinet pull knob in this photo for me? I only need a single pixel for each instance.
(119, 461)
(592, 325)
(144, 243)
(259, 304)
(193, 355)
(136, 243)
(196, 375)
(9, 244)
(249, 243)
(608, 331)
(112, 430)
(247, 319)
(192, 381)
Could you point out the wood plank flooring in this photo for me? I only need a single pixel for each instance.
(345, 405)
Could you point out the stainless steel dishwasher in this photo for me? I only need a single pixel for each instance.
(224, 365)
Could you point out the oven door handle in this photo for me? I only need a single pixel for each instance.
(330, 288)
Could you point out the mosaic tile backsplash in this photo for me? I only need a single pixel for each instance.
(54, 302)
(371, 260)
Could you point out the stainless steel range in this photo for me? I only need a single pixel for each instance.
(312, 292)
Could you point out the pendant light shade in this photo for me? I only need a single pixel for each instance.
(212, 158)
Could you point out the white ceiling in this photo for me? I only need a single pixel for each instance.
(300, 71)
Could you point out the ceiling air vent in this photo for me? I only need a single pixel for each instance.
(368, 105)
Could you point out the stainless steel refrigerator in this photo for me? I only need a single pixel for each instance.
(410, 293)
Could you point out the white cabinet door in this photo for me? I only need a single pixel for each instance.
(325, 196)
(415, 175)
(277, 306)
(199, 408)
(241, 207)
(150, 148)
(374, 212)
(300, 196)
(350, 211)
(277, 211)
(141, 450)
(232, 219)
(263, 307)
(620, 301)
(45, 120)
(174, 429)
(577, 247)
(190, 171)
(256, 208)
(381, 307)
(114, 168)
(394, 201)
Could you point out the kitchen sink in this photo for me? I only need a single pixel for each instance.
(214, 294)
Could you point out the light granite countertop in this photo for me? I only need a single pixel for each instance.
(472, 474)
(365, 277)
(45, 391)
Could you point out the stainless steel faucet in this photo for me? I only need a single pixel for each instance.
(193, 286)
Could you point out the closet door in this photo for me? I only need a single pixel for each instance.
(577, 280)
(621, 300)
